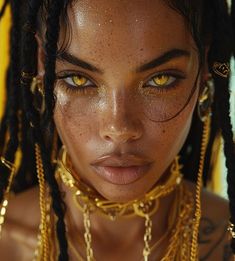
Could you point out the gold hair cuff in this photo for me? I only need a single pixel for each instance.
(231, 229)
(27, 75)
(221, 69)
(7, 163)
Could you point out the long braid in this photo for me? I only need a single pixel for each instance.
(30, 50)
(11, 113)
(52, 36)
(221, 51)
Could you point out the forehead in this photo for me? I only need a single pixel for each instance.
(125, 31)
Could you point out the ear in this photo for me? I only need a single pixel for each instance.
(41, 57)
(205, 72)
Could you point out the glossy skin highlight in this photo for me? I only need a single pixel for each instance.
(112, 115)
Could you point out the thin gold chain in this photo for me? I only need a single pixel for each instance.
(6, 196)
(42, 202)
(141, 208)
(180, 240)
(205, 138)
(85, 194)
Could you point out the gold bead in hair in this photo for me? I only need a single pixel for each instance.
(221, 69)
(231, 229)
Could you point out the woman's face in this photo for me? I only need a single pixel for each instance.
(120, 108)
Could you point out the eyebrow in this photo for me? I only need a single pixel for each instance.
(166, 57)
(77, 62)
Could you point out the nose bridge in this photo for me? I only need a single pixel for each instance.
(119, 121)
(118, 105)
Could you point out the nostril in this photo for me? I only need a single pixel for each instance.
(108, 138)
(121, 137)
(121, 133)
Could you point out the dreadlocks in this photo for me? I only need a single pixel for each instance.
(22, 125)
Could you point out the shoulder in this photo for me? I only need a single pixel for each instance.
(19, 234)
(214, 243)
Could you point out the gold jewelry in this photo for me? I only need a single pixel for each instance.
(205, 101)
(43, 250)
(197, 218)
(39, 96)
(26, 77)
(231, 229)
(221, 69)
(6, 196)
(179, 248)
(146, 205)
(143, 207)
(180, 239)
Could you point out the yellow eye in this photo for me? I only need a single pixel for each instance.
(161, 80)
(79, 80)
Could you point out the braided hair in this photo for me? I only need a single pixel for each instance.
(22, 126)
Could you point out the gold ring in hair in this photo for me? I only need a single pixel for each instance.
(221, 69)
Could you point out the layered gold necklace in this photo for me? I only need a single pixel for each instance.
(183, 243)
(179, 223)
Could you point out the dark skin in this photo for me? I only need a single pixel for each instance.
(118, 113)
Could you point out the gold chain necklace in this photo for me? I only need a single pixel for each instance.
(180, 225)
(83, 194)
(88, 201)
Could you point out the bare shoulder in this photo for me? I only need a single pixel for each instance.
(214, 243)
(19, 234)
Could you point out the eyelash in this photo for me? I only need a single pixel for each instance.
(90, 84)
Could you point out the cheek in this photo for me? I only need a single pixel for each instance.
(72, 120)
(174, 133)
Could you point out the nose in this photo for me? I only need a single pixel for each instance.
(120, 122)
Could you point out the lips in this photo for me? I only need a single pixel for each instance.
(121, 170)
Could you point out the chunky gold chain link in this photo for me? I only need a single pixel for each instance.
(87, 234)
(147, 237)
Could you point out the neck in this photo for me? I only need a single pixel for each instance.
(106, 228)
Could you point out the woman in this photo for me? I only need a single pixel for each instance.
(115, 106)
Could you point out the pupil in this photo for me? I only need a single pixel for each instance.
(161, 79)
(79, 80)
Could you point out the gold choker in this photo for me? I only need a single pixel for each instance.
(88, 200)
(146, 205)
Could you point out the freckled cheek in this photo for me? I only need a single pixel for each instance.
(75, 121)
(170, 136)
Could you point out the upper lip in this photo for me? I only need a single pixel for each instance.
(124, 160)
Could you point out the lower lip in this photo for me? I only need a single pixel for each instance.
(122, 175)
